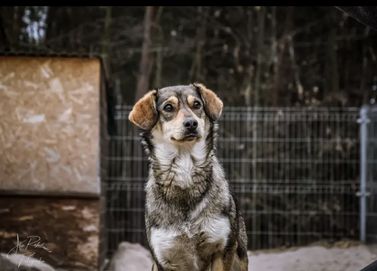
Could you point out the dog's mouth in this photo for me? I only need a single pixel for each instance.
(187, 137)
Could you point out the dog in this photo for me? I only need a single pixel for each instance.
(192, 220)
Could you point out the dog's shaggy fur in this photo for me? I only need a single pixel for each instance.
(192, 221)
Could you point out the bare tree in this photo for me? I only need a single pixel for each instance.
(196, 71)
(159, 52)
(146, 57)
(106, 38)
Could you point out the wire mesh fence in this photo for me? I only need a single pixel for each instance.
(294, 171)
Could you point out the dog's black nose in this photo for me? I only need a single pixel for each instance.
(190, 124)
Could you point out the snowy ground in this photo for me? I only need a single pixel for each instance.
(344, 256)
(314, 258)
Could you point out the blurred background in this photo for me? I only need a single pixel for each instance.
(270, 56)
(297, 138)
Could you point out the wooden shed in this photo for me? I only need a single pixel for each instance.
(51, 159)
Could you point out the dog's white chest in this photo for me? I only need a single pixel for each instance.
(216, 230)
(210, 234)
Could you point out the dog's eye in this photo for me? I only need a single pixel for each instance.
(168, 108)
(196, 105)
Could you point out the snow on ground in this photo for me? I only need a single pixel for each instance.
(314, 258)
(131, 257)
(345, 257)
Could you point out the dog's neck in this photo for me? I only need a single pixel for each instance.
(176, 165)
(182, 172)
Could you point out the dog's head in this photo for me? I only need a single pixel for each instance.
(177, 114)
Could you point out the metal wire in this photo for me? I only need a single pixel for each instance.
(294, 172)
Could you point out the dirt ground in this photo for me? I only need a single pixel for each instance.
(343, 256)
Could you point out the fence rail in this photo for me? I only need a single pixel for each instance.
(295, 172)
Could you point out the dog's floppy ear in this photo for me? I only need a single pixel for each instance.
(144, 112)
(212, 103)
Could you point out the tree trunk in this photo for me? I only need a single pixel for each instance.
(5, 44)
(12, 23)
(281, 45)
(159, 52)
(332, 65)
(296, 71)
(364, 66)
(259, 52)
(274, 61)
(146, 58)
(106, 40)
(196, 71)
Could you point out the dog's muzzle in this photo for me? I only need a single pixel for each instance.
(190, 130)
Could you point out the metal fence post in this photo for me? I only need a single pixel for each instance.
(363, 120)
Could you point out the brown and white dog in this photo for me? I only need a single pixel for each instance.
(192, 221)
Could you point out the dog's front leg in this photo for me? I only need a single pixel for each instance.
(154, 267)
(223, 262)
(217, 262)
(229, 257)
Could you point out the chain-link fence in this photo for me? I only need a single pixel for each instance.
(295, 172)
